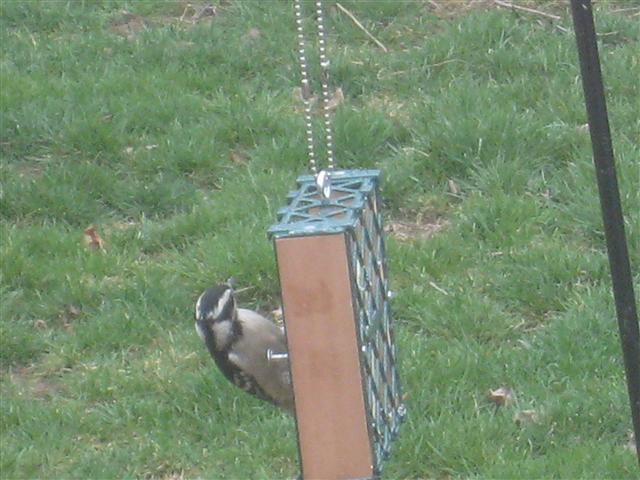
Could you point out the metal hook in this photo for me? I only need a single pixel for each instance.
(323, 182)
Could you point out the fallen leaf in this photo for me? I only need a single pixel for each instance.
(73, 310)
(583, 128)
(206, 11)
(526, 417)
(631, 442)
(92, 239)
(501, 397)
(299, 96)
(454, 188)
(128, 26)
(39, 324)
(128, 150)
(238, 157)
(336, 99)
(150, 147)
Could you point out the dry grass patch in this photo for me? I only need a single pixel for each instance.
(422, 228)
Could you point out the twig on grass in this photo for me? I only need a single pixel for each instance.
(439, 289)
(361, 27)
(184, 13)
(533, 11)
(625, 10)
(451, 60)
(561, 28)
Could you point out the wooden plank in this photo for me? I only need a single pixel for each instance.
(323, 352)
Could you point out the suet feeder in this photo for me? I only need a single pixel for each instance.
(335, 295)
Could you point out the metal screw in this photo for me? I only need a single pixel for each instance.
(271, 355)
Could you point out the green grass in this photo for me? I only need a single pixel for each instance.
(179, 141)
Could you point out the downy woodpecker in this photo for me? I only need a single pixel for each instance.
(248, 349)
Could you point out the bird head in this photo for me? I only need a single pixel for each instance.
(216, 304)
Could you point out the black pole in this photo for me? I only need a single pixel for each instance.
(609, 203)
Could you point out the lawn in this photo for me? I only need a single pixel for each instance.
(177, 135)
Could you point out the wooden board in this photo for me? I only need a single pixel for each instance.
(323, 351)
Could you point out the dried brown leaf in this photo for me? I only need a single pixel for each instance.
(238, 157)
(204, 12)
(526, 417)
(336, 99)
(73, 310)
(298, 96)
(128, 25)
(454, 188)
(501, 397)
(92, 239)
(39, 324)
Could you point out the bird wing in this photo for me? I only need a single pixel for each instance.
(250, 352)
(245, 381)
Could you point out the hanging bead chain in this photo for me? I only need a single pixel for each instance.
(306, 86)
(324, 82)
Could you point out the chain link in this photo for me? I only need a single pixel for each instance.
(324, 83)
(306, 87)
